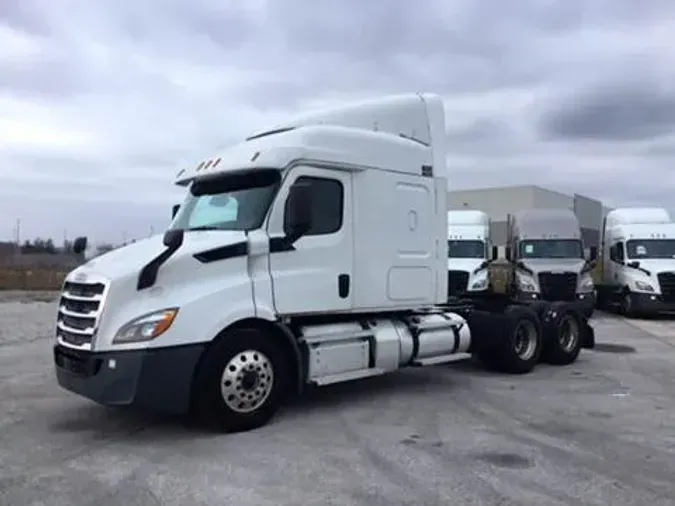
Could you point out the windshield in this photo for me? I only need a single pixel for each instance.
(651, 248)
(466, 249)
(235, 201)
(551, 248)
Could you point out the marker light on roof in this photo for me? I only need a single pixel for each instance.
(199, 167)
(208, 164)
(216, 162)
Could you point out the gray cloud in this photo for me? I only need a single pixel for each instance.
(614, 112)
(102, 103)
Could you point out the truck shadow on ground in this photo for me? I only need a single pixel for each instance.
(100, 423)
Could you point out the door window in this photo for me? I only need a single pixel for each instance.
(327, 205)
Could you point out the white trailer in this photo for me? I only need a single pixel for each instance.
(312, 253)
(638, 261)
(469, 252)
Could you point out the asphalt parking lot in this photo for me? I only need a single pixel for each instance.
(599, 432)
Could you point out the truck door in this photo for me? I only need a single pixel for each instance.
(316, 275)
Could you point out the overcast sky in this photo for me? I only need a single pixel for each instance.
(102, 102)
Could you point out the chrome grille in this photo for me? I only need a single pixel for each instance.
(558, 286)
(667, 284)
(80, 308)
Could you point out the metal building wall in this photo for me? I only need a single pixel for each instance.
(498, 203)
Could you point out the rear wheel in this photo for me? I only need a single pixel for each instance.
(521, 345)
(242, 381)
(563, 336)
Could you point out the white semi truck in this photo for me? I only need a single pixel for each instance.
(311, 253)
(547, 253)
(469, 252)
(638, 261)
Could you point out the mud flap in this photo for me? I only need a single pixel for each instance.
(588, 335)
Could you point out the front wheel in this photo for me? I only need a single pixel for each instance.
(626, 306)
(242, 381)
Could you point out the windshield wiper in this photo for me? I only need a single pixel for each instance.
(204, 227)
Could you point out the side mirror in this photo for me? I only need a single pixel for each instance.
(635, 264)
(79, 245)
(173, 238)
(298, 212)
(593, 253)
(174, 210)
(507, 253)
(495, 253)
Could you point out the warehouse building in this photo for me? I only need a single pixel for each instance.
(498, 203)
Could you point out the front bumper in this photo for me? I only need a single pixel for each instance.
(649, 303)
(157, 379)
(586, 301)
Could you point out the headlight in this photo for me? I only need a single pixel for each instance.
(645, 287)
(587, 285)
(146, 327)
(480, 284)
(526, 285)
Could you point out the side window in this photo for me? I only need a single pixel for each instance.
(328, 205)
(616, 252)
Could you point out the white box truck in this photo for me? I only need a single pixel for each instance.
(312, 253)
(469, 252)
(638, 261)
(547, 253)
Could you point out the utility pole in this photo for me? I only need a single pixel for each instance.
(18, 238)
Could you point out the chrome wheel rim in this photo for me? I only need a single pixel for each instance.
(247, 381)
(525, 336)
(569, 333)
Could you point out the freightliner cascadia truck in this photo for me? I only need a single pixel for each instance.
(547, 257)
(469, 252)
(638, 261)
(311, 253)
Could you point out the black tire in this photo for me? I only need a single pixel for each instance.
(246, 352)
(522, 325)
(626, 304)
(563, 334)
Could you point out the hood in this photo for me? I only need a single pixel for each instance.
(656, 265)
(555, 264)
(130, 259)
(464, 264)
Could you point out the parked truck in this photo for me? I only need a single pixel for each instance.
(309, 254)
(546, 250)
(638, 261)
(469, 252)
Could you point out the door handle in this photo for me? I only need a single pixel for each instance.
(343, 285)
